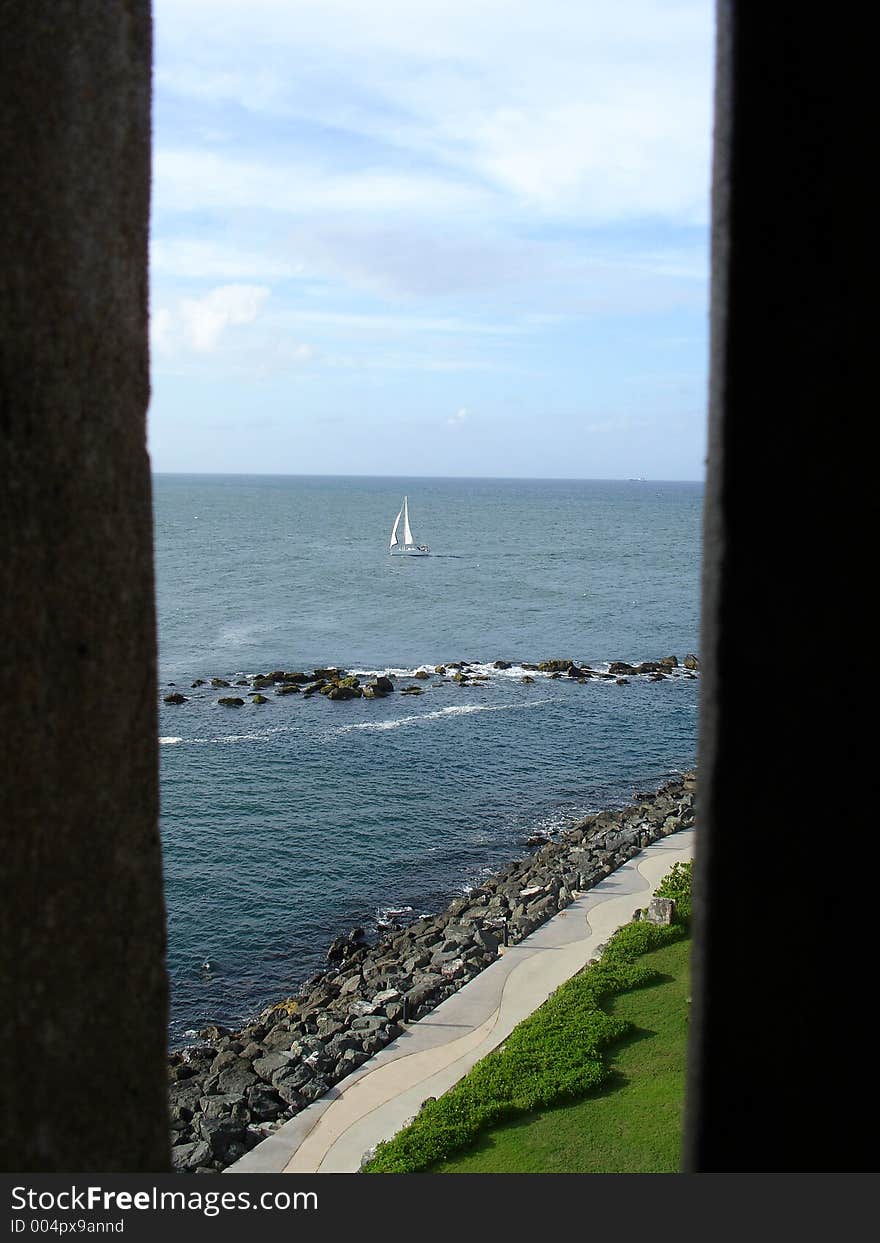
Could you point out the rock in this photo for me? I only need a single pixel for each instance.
(229, 702)
(553, 666)
(331, 674)
(343, 692)
(621, 666)
(259, 699)
(622, 681)
(575, 671)
(412, 690)
(421, 673)
(274, 1061)
(526, 679)
(220, 1133)
(691, 661)
(218, 682)
(290, 688)
(176, 698)
(501, 664)
(292, 1078)
(657, 677)
(441, 669)
(237, 1078)
(668, 662)
(198, 682)
(224, 1105)
(423, 990)
(186, 1157)
(661, 911)
(263, 1103)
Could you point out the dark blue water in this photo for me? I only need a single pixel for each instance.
(286, 823)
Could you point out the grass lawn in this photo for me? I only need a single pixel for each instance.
(633, 1124)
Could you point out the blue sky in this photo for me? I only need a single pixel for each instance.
(431, 237)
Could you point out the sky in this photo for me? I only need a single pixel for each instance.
(431, 237)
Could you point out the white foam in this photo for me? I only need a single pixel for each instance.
(169, 742)
(458, 710)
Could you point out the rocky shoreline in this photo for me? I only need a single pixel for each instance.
(338, 684)
(233, 1088)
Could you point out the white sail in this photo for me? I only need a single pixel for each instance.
(407, 533)
(393, 543)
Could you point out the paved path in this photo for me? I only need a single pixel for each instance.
(331, 1135)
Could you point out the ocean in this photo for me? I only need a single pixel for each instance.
(287, 823)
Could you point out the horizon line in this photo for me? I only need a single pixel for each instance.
(209, 474)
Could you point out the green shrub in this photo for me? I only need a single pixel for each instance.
(677, 885)
(555, 1054)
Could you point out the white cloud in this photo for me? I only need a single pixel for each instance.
(459, 418)
(570, 110)
(204, 319)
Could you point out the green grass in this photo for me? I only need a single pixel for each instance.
(633, 1123)
(556, 1056)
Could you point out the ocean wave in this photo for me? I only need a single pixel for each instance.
(169, 742)
(457, 710)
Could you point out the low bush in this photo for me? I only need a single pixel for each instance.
(554, 1055)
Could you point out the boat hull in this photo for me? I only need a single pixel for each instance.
(410, 552)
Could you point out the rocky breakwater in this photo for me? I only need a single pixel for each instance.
(338, 684)
(229, 1091)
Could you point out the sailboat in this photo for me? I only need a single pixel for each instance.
(409, 548)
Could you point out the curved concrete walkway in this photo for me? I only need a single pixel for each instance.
(373, 1103)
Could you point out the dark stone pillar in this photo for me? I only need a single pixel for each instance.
(778, 1010)
(83, 1016)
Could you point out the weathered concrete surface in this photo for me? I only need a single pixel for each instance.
(82, 1042)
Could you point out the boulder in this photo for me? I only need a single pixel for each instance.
(219, 682)
(229, 702)
(412, 690)
(421, 673)
(176, 698)
(288, 688)
(661, 911)
(220, 1133)
(526, 679)
(668, 662)
(263, 1103)
(501, 664)
(259, 699)
(237, 1079)
(691, 661)
(198, 682)
(186, 1157)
